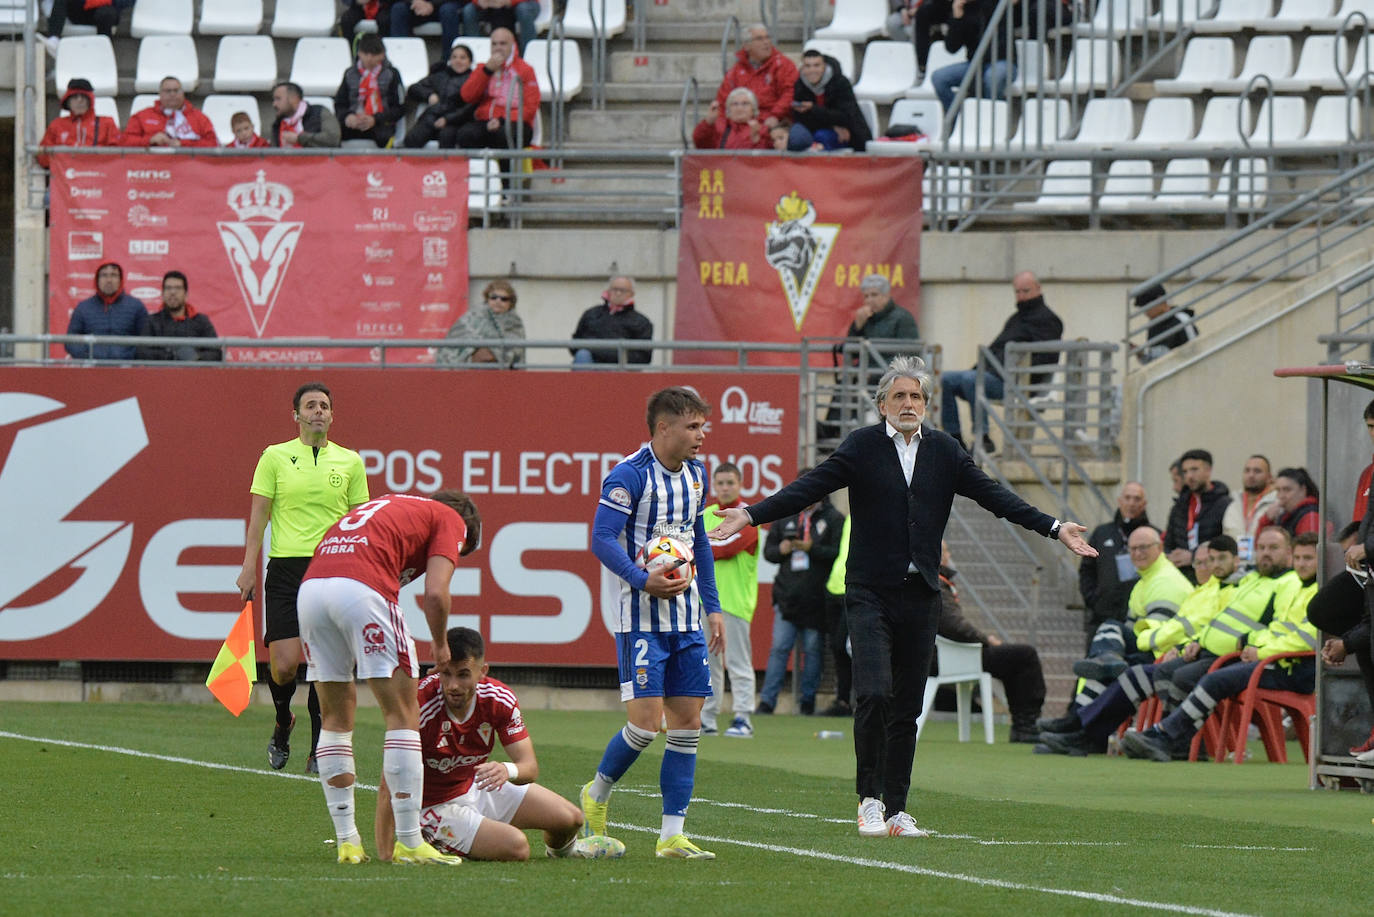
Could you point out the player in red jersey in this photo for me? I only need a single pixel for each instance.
(474, 806)
(350, 618)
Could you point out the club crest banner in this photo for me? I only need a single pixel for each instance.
(774, 249)
(274, 247)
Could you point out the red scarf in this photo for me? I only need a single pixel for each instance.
(96, 4)
(370, 9)
(369, 90)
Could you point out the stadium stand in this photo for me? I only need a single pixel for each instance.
(230, 17)
(245, 63)
(161, 17)
(167, 55)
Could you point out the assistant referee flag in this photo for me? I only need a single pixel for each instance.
(232, 676)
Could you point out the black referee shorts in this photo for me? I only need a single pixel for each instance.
(280, 585)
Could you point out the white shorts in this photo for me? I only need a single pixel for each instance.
(451, 826)
(344, 624)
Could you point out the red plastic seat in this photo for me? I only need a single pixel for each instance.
(1266, 707)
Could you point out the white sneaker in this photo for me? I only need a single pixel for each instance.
(871, 822)
(740, 729)
(903, 825)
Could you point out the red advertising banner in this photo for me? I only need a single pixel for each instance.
(309, 246)
(773, 249)
(124, 494)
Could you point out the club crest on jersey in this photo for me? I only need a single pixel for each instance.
(642, 677)
(619, 496)
(485, 732)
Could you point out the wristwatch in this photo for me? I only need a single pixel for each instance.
(1054, 530)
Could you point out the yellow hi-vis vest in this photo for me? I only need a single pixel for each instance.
(1244, 613)
(1290, 631)
(1156, 596)
(1197, 610)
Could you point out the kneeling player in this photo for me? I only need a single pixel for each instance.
(474, 807)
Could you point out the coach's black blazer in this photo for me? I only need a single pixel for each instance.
(895, 526)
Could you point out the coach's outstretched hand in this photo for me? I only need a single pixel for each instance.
(1071, 533)
(731, 521)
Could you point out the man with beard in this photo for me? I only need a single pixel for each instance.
(109, 311)
(1246, 514)
(1196, 515)
(179, 319)
(299, 123)
(1105, 581)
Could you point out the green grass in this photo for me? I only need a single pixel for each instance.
(88, 830)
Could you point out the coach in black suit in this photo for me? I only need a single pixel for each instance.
(902, 476)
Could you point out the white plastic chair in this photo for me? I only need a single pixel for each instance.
(12, 16)
(1114, 19)
(140, 102)
(983, 124)
(546, 59)
(319, 64)
(856, 20)
(1268, 55)
(409, 56)
(869, 109)
(1344, 9)
(245, 63)
(1166, 124)
(1219, 124)
(484, 185)
(1044, 122)
(577, 18)
(1234, 17)
(1317, 65)
(220, 108)
(840, 49)
(889, 70)
(1067, 188)
(545, 18)
(161, 56)
(1171, 18)
(1205, 61)
(1094, 65)
(105, 107)
(161, 17)
(1185, 186)
(1130, 184)
(961, 665)
(949, 186)
(1032, 67)
(230, 17)
(938, 58)
(1333, 119)
(302, 18)
(924, 113)
(1289, 121)
(1106, 123)
(90, 57)
(1251, 179)
(1297, 16)
(479, 45)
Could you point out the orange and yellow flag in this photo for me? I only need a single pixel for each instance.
(235, 669)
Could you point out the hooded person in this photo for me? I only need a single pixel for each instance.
(80, 126)
(179, 319)
(824, 109)
(110, 311)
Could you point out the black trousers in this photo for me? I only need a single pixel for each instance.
(1017, 666)
(892, 630)
(837, 632)
(1338, 607)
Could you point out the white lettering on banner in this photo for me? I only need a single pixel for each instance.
(405, 471)
(759, 474)
(540, 473)
(161, 578)
(510, 573)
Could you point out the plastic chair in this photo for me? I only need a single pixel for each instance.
(1066, 188)
(577, 18)
(302, 18)
(479, 45)
(219, 108)
(1205, 61)
(245, 63)
(1185, 186)
(839, 48)
(1174, 15)
(869, 109)
(1106, 123)
(1270, 55)
(924, 113)
(1334, 120)
(161, 56)
(1344, 9)
(90, 57)
(1167, 123)
(1252, 704)
(939, 57)
(105, 107)
(1032, 67)
(1220, 124)
(319, 63)
(230, 17)
(961, 665)
(409, 56)
(1297, 16)
(484, 185)
(949, 186)
(1094, 65)
(1114, 19)
(161, 17)
(889, 70)
(1317, 65)
(1234, 16)
(982, 124)
(856, 20)
(1250, 175)
(541, 55)
(1130, 184)
(12, 16)
(1289, 121)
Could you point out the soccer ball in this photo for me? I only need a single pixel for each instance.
(671, 555)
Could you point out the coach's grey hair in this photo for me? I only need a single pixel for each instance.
(905, 367)
(875, 282)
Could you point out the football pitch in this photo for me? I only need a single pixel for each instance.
(165, 809)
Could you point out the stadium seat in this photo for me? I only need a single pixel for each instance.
(1224, 121)
(1044, 122)
(1297, 16)
(869, 109)
(1167, 124)
(948, 189)
(840, 49)
(1289, 121)
(230, 17)
(1269, 55)
(409, 56)
(1205, 60)
(938, 58)
(428, 30)
(961, 665)
(1317, 65)
(1361, 59)
(90, 57)
(319, 63)
(1186, 185)
(302, 18)
(1342, 13)
(1252, 703)
(1032, 68)
(578, 18)
(480, 47)
(484, 185)
(167, 55)
(1106, 123)
(1176, 14)
(1066, 187)
(106, 108)
(220, 108)
(1250, 177)
(245, 63)
(140, 102)
(12, 16)
(983, 124)
(1094, 65)
(545, 16)
(161, 17)
(1130, 184)
(856, 20)
(889, 70)
(1335, 121)
(1113, 19)
(547, 58)
(1234, 16)
(923, 113)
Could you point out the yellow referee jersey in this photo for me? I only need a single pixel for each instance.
(310, 490)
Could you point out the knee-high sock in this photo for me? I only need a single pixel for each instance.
(281, 699)
(622, 751)
(335, 758)
(677, 777)
(404, 770)
(316, 724)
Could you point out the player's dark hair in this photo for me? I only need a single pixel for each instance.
(812, 52)
(465, 643)
(170, 275)
(1301, 478)
(310, 387)
(1306, 539)
(677, 401)
(1350, 529)
(462, 504)
(292, 88)
(1224, 543)
(370, 43)
(1197, 455)
(728, 468)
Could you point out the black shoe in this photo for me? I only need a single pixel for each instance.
(1060, 724)
(279, 749)
(1103, 668)
(764, 708)
(1154, 744)
(839, 708)
(1023, 729)
(988, 446)
(1074, 744)
(312, 766)
(807, 707)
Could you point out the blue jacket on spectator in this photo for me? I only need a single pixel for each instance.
(118, 313)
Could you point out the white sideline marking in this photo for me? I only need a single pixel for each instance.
(772, 848)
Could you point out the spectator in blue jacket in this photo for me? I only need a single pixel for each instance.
(109, 311)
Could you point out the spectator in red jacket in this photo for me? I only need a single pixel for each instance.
(81, 126)
(504, 80)
(766, 72)
(173, 121)
(245, 138)
(518, 15)
(738, 129)
(1296, 509)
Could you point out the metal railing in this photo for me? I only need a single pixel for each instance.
(1024, 601)
(599, 39)
(842, 379)
(558, 105)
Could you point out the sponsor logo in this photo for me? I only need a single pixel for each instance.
(435, 251)
(379, 280)
(148, 174)
(136, 195)
(374, 640)
(366, 328)
(87, 213)
(374, 305)
(149, 248)
(434, 307)
(407, 575)
(434, 280)
(87, 192)
(85, 246)
(376, 253)
(377, 187)
(434, 184)
(517, 722)
(260, 244)
(444, 765)
(140, 216)
(147, 294)
(797, 247)
(435, 220)
(82, 173)
(761, 416)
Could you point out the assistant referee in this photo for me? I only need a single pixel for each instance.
(303, 486)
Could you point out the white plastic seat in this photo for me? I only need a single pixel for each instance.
(245, 63)
(869, 109)
(409, 56)
(1175, 14)
(141, 102)
(1297, 16)
(479, 45)
(1223, 120)
(302, 18)
(889, 70)
(1250, 177)
(1130, 184)
(548, 58)
(1032, 68)
(938, 58)
(1066, 187)
(319, 64)
(1334, 120)
(1289, 121)
(947, 189)
(961, 665)
(1234, 16)
(1342, 12)
(230, 17)
(90, 57)
(1094, 65)
(1204, 60)
(1318, 65)
(1267, 55)
(1186, 185)
(923, 113)
(161, 17)
(1166, 124)
(578, 18)
(484, 185)
(983, 124)
(856, 20)
(1106, 123)
(161, 56)
(840, 49)
(12, 16)
(545, 18)
(1114, 19)
(1044, 122)
(1361, 58)
(219, 108)
(105, 107)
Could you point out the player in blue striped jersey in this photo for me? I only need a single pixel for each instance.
(661, 648)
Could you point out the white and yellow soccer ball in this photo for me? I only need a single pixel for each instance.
(671, 555)
(598, 847)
